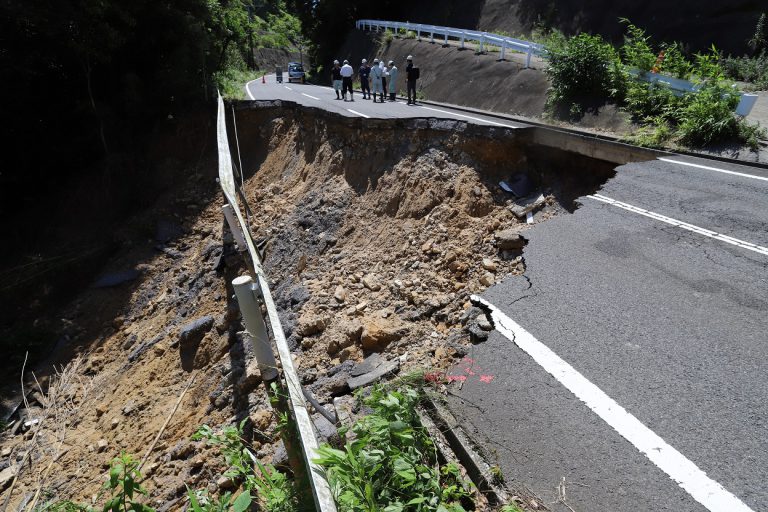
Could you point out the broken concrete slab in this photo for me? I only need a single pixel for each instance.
(385, 368)
(528, 204)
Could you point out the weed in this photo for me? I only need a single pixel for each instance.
(272, 488)
(388, 36)
(511, 507)
(231, 82)
(707, 115)
(636, 51)
(123, 484)
(410, 34)
(759, 41)
(391, 465)
(748, 69)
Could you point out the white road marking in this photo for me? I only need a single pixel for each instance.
(683, 225)
(308, 96)
(724, 171)
(468, 117)
(682, 471)
(358, 113)
(248, 89)
(529, 218)
(289, 88)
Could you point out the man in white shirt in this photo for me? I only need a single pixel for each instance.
(346, 81)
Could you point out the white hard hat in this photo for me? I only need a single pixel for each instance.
(365, 61)
(391, 63)
(335, 62)
(410, 57)
(375, 61)
(346, 61)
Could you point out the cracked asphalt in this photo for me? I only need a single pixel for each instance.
(669, 323)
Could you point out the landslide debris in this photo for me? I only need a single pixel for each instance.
(374, 236)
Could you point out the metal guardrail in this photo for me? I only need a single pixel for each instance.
(447, 33)
(530, 49)
(320, 489)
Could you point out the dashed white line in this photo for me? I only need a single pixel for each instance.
(358, 113)
(686, 474)
(724, 171)
(289, 88)
(468, 117)
(683, 225)
(308, 96)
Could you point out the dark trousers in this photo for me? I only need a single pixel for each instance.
(411, 91)
(365, 85)
(384, 84)
(346, 85)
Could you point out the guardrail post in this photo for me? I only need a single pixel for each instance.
(482, 40)
(503, 48)
(431, 37)
(463, 35)
(247, 291)
(528, 57)
(418, 33)
(446, 39)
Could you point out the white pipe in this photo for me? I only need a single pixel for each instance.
(234, 227)
(246, 291)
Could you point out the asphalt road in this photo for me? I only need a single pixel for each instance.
(656, 292)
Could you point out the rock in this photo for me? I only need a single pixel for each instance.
(194, 331)
(340, 294)
(369, 364)
(379, 332)
(307, 343)
(261, 419)
(251, 377)
(100, 410)
(225, 483)
(310, 324)
(371, 283)
(112, 279)
(159, 349)
(115, 422)
(7, 475)
(509, 239)
(101, 445)
(483, 323)
(487, 279)
(182, 451)
(326, 431)
(476, 334)
(6, 452)
(383, 368)
(489, 265)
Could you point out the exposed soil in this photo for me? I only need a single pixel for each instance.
(375, 235)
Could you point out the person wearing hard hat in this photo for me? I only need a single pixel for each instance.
(376, 75)
(411, 75)
(392, 80)
(384, 77)
(365, 79)
(336, 75)
(346, 79)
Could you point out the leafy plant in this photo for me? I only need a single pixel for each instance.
(707, 115)
(200, 501)
(391, 464)
(584, 67)
(759, 40)
(123, 483)
(674, 62)
(637, 51)
(270, 487)
(388, 36)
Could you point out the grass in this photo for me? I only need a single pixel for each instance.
(231, 82)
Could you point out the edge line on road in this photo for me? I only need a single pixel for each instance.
(713, 496)
(470, 117)
(309, 96)
(724, 171)
(248, 89)
(683, 225)
(358, 113)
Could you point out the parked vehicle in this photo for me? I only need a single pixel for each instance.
(295, 72)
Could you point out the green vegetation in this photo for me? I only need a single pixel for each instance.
(392, 464)
(586, 70)
(752, 68)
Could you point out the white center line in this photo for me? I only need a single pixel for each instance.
(724, 171)
(289, 88)
(683, 225)
(308, 96)
(358, 113)
(468, 117)
(685, 473)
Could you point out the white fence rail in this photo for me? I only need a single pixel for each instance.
(529, 49)
(448, 33)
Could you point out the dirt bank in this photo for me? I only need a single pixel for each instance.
(375, 235)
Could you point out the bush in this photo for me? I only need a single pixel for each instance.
(636, 51)
(646, 100)
(410, 34)
(583, 68)
(707, 115)
(388, 36)
(748, 69)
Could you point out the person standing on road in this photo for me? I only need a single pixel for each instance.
(346, 78)
(376, 79)
(336, 75)
(392, 80)
(384, 75)
(411, 75)
(365, 75)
